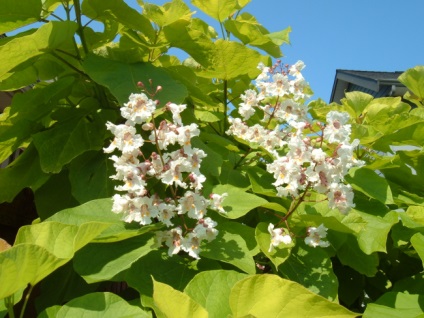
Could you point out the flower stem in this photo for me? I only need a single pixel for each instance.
(80, 26)
(28, 294)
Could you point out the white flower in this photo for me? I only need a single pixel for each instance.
(250, 100)
(176, 112)
(315, 236)
(205, 229)
(193, 204)
(337, 130)
(217, 200)
(173, 239)
(166, 213)
(138, 109)
(340, 196)
(278, 236)
(191, 245)
(146, 210)
(126, 139)
(296, 68)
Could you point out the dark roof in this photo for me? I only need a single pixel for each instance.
(377, 76)
(369, 80)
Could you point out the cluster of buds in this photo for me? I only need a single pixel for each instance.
(174, 163)
(299, 162)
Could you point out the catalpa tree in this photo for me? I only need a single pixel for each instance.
(209, 186)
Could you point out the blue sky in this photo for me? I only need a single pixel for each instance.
(371, 35)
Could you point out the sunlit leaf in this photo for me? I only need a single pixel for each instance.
(14, 14)
(413, 78)
(211, 289)
(272, 296)
(174, 303)
(220, 9)
(47, 38)
(238, 202)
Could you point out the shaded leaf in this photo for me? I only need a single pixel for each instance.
(100, 305)
(103, 261)
(14, 14)
(393, 304)
(312, 268)
(122, 79)
(368, 182)
(64, 141)
(230, 248)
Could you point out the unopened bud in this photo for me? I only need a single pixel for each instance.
(147, 126)
(140, 84)
(158, 89)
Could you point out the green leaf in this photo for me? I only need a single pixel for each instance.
(90, 176)
(230, 248)
(39, 250)
(261, 181)
(26, 113)
(373, 237)
(210, 165)
(368, 182)
(220, 9)
(280, 254)
(103, 261)
(64, 141)
(58, 187)
(246, 28)
(232, 59)
(410, 285)
(22, 173)
(417, 241)
(272, 296)
(174, 303)
(16, 297)
(101, 305)
(168, 13)
(18, 14)
(193, 40)
(101, 211)
(357, 102)
(174, 271)
(238, 202)
(62, 240)
(246, 232)
(312, 268)
(393, 305)
(350, 253)
(413, 78)
(119, 11)
(122, 79)
(47, 38)
(211, 289)
(72, 285)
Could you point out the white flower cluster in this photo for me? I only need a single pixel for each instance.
(177, 169)
(316, 235)
(299, 161)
